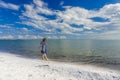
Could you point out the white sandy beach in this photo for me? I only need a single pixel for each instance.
(16, 67)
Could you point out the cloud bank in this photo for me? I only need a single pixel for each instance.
(8, 5)
(73, 20)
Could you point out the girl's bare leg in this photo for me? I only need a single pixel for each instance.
(45, 57)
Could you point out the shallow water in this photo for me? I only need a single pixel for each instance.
(88, 51)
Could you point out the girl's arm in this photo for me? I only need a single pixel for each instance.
(40, 46)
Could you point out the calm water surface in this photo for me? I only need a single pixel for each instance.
(90, 51)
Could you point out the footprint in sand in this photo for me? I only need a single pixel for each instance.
(30, 75)
(42, 66)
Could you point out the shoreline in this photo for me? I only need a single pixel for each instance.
(94, 65)
(113, 66)
(16, 67)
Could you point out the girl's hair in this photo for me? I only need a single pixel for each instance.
(44, 39)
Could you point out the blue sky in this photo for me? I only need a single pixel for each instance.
(60, 19)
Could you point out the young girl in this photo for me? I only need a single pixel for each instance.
(43, 49)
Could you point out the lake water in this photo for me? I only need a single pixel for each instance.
(88, 51)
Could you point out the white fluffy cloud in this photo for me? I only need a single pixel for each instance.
(29, 37)
(8, 5)
(63, 37)
(21, 37)
(35, 16)
(7, 37)
(25, 29)
(5, 26)
(56, 37)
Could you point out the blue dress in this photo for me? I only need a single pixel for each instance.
(43, 50)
